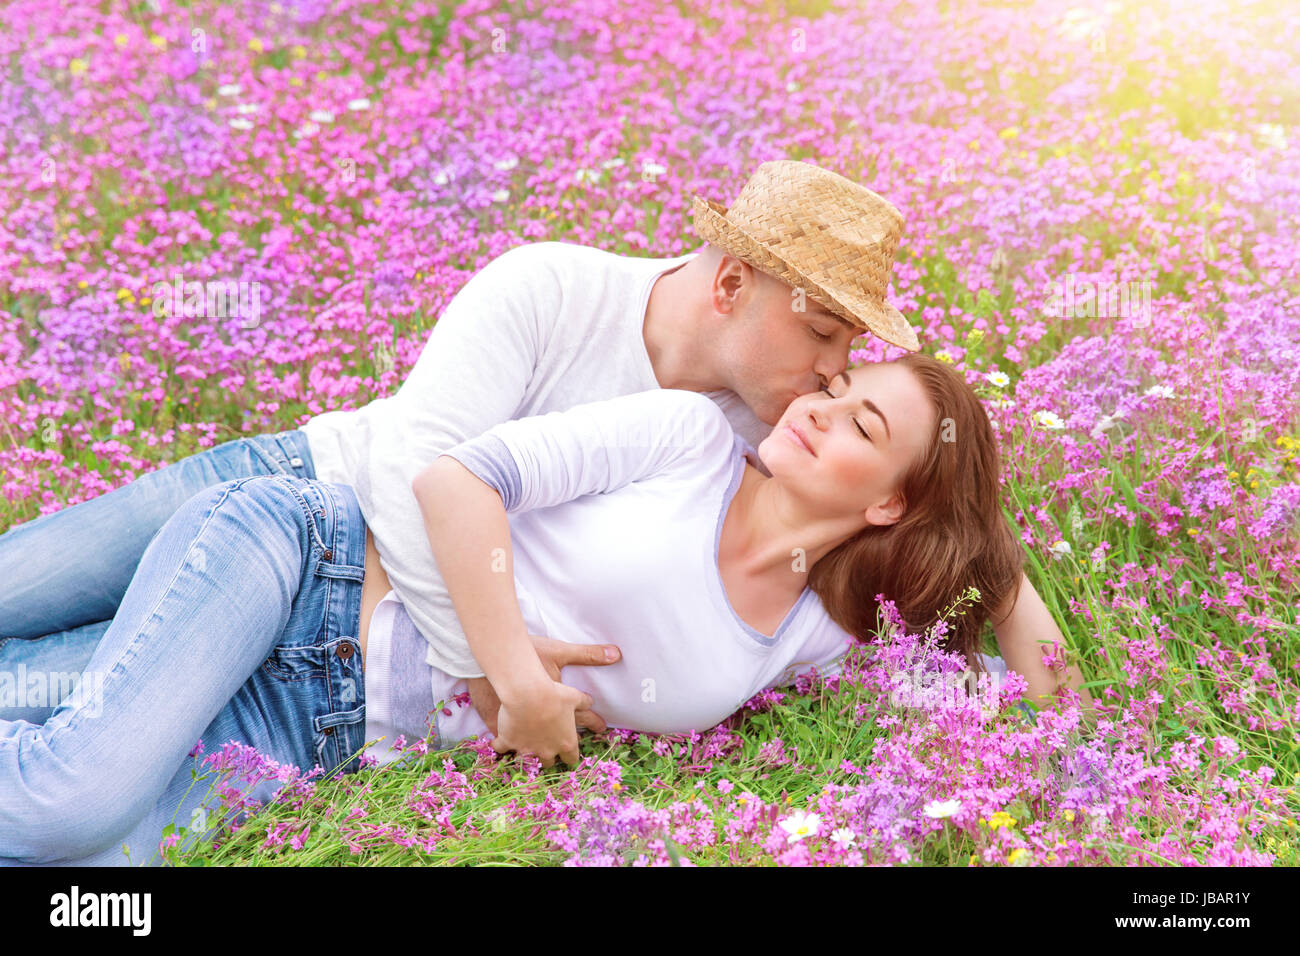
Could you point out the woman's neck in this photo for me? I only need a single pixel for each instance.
(767, 535)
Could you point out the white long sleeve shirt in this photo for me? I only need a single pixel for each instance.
(541, 328)
(616, 511)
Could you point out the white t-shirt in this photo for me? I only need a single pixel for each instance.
(616, 511)
(541, 328)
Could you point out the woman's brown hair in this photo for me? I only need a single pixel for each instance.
(951, 536)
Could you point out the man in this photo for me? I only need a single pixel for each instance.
(790, 274)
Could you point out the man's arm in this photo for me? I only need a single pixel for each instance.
(1020, 634)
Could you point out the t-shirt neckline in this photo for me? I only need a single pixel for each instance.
(741, 450)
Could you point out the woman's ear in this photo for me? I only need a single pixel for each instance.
(887, 513)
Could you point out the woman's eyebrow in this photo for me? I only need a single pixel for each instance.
(868, 404)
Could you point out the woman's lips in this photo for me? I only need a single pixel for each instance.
(798, 438)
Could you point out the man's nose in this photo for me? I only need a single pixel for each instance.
(829, 365)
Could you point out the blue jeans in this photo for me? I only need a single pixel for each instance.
(62, 576)
(240, 623)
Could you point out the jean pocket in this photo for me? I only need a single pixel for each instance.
(296, 664)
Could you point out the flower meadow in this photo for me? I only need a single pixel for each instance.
(1102, 206)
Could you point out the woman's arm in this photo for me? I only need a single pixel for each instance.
(1019, 634)
(470, 534)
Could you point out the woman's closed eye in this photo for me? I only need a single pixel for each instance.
(855, 421)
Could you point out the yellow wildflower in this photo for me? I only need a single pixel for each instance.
(1015, 854)
(78, 66)
(121, 40)
(299, 51)
(255, 45)
(295, 81)
(1193, 532)
(1002, 819)
(1011, 132)
(975, 146)
(159, 42)
(82, 284)
(1069, 816)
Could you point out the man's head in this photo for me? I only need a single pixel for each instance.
(771, 342)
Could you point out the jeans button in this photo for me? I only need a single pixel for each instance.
(329, 731)
(328, 555)
(344, 651)
(296, 462)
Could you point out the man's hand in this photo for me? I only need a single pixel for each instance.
(553, 655)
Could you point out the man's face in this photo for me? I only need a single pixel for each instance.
(773, 351)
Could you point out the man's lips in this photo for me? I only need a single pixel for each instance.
(801, 439)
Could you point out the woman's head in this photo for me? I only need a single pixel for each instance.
(906, 446)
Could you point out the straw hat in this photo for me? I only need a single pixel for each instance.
(815, 230)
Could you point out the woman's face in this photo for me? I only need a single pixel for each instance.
(845, 449)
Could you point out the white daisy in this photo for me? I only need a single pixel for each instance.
(307, 130)
(1160, 391)
(1049, 420)
(800, 824)
(611, 163)
(503, 164)
(585, 175)
(501, 195)
(241, 124)
(359, 104)
(844, 837)
(229, 89)
(1060, 548)
(791, 86)
(940, 809)
(246, 108)
(653, 169)
(999, 379)
(321, 116)
(440, 179)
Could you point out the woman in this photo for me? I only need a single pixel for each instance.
(245, 617)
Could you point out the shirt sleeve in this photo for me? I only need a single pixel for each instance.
(597, 447)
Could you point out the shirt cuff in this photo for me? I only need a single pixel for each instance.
(489, 458)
